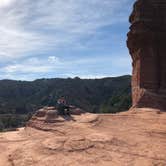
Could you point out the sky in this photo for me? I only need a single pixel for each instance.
(64, 38)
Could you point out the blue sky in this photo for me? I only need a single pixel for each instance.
(64, 38)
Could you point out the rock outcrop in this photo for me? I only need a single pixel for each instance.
(46, 118)
(134, 138)
(146, 43)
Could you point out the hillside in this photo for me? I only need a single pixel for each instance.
(19, 99)
(23, 97)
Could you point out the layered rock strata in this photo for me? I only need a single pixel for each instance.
(147, 46)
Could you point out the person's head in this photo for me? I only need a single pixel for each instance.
(62, 98)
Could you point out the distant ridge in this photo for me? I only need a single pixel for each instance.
(106, 95)
(18, 95)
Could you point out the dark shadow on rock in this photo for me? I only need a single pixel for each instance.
(68, 117)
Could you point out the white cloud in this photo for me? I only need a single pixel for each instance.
(90, 67)
(29, 26)
(32, 65)
(5, 3)
(53, 59)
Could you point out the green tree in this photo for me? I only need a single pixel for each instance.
(1, 126)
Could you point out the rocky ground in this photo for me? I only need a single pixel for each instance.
(133, 138)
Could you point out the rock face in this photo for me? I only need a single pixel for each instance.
(146, 43)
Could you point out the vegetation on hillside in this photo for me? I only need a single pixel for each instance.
(19, 99)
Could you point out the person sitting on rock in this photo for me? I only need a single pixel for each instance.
(62, 107)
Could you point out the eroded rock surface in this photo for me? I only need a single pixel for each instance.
(146, 42)
(47, 117)
(131, 138)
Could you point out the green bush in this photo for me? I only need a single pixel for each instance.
(1, 126)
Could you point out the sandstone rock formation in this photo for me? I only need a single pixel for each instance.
(146, 43)
(51, 113)
(44, 117)
(135, 138)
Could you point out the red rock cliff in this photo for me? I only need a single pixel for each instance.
(147, 46)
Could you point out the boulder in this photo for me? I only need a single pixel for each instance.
(76, 111)
(51, 115)
(40, 113)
